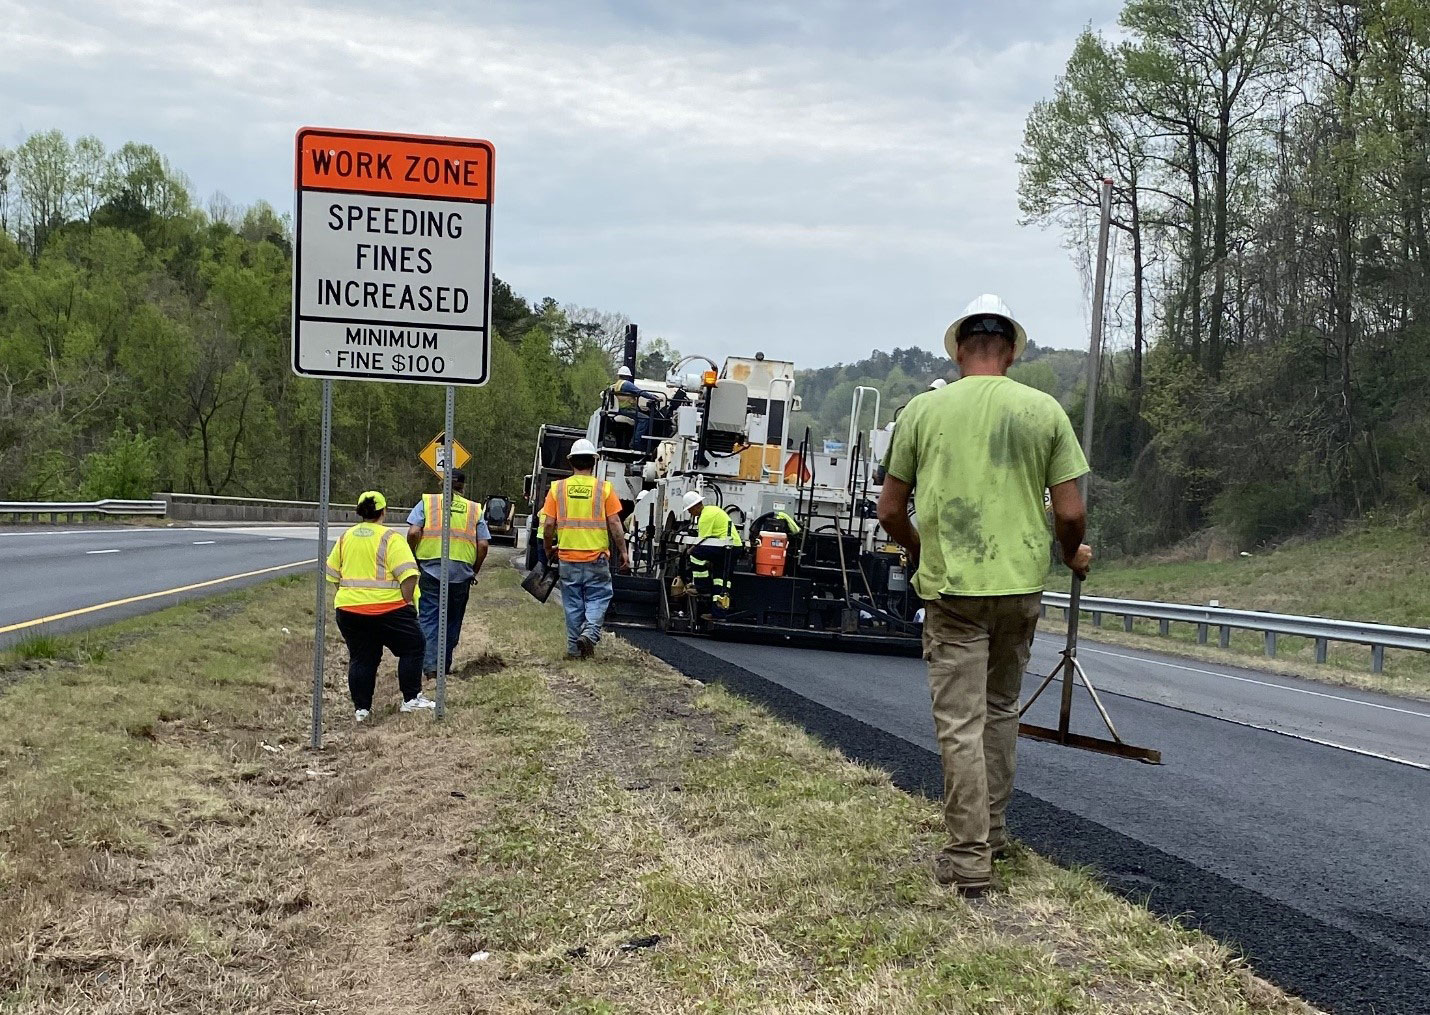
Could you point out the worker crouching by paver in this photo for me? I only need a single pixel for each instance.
(977, 456)
(583, 528)
(710, 558)
(376, 577)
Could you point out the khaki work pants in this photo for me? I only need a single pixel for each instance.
(977, 648)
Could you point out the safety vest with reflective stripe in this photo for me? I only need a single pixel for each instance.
(624, 399)
(368, 565)
(715, 527)
(465, 516)
(581, 514)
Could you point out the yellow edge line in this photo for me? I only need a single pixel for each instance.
(151, 595)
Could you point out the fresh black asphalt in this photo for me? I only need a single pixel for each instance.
(1313, 860)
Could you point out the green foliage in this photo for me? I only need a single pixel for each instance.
(144, 345)
(124, 468)
(1272, 261)
(827, 392)
(1036, 375)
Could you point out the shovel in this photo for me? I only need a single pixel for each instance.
(540, 582)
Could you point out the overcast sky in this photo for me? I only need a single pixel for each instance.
(815, 179)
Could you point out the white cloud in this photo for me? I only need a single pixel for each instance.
(769, 173)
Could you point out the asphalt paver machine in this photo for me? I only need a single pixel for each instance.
(814, 567)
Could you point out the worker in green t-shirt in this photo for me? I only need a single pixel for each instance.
(979, 455)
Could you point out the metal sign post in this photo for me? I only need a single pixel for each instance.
(446, 555)
(391, 282)
(320, 610)
(1069, 667)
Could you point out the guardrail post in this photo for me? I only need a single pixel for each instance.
(1164, 627)
(1127, 622)
(1224, 636)
(1096, 619)
(1271, 644)
(1377, 658)
(1321, 649)
(1201, 634)
(1043, 611)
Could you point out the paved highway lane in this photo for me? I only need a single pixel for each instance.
(1314, 858)
(64, 574)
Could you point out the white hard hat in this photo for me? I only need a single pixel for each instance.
(691, 499)
(986, 305)
(936, 383)
(582, 447)
(624, 371)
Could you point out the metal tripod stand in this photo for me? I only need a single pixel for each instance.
(1070, 670)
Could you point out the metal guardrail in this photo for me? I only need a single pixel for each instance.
(206, 498)
(1272, 625)
(83, 507)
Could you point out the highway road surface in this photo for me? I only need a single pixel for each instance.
(1290, 818)
(66, 579)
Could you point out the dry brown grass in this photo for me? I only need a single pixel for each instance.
(156, 857)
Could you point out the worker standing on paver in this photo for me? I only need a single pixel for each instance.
(978, 455)
(583, 528)
(376, 577)
(469, 542)
(710, 558)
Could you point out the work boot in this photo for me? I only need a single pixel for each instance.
(429, 674)
(586, 647)
(944, 874)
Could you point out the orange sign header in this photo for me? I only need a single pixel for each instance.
(402, 165)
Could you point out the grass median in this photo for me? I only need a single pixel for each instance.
(575, 837)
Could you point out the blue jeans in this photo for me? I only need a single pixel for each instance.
(428, 607)
(642, 428)
(586, 591)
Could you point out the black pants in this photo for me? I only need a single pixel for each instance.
(367, 634)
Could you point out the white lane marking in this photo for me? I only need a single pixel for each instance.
(1259, 683)
(205, 542)
(1303, 737)
(276, 539)
(100, 551)
(81, 532)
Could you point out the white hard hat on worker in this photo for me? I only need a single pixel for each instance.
(692, 500)
(625, 372)
(990, 314)
(582, 448)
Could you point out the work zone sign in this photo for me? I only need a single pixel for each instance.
(392, 273)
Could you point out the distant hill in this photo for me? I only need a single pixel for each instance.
(899, 375)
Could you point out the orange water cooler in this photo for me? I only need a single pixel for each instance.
(770, 553)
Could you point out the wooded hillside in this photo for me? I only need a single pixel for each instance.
(1271, 263)
(827, 392)
(144, 345)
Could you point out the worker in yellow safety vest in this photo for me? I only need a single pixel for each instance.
(628, 397)
(710, 558)
(470, 540)
(376, 578)
(582, 529)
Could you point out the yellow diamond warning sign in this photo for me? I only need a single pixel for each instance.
(431, 455)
